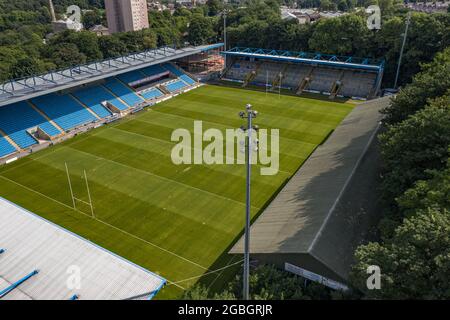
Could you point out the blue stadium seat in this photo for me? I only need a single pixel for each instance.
(131, 76)
(123, 92)
(175, 86)
(93, 97)
(153, 70)
(152, 94)
(64, 110)
(16, 118)
(187, 79)
(172, 69)
(5, 147)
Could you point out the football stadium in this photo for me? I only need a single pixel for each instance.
(88, 150)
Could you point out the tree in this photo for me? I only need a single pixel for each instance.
(214, 7)
(200, 30)
(92, 18)
(26, 66)
(267, 283)
(66, 55)
(346, 35)
(414, 264)
(111, 46)
(413, 147)
(432, 82)
(342, 5)
(432, 193)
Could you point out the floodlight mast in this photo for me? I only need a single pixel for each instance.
(405, 34)
(249, 114)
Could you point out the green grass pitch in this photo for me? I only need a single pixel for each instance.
(177, 221)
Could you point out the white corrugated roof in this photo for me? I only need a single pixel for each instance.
(33, 243)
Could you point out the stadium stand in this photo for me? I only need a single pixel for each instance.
(124, 92)
(93, 97)
(267, 72)
(173, 69)
(187, 79)
(175, 86)
(240, 69)
(356, 83)
(5, 147)
(64, 110)
(17, 118)
(153, 93)
(300, 71)
(180, 74)
(132, 76)
(153, 70)
(322, 79)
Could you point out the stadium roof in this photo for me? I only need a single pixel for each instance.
(38, 257)
(23, 89)
(309, 58)
(319, 213)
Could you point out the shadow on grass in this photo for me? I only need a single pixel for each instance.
(218, 285)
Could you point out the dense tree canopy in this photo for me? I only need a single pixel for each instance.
(432, 82)
(414, 146)
(414, 263)
(413, 252)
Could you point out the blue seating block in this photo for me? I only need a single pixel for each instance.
(172, 69)
(152, 94)
(187, 79)
(5, 147)
(175, 86)
(16, 118)
(64, 110)
(93, 97)
(123, 92)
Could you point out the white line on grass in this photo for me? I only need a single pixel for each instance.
(209, 272)
(218, 123)
(163, 178)
(173, 143)
(105, 223)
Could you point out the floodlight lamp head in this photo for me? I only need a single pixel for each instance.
(248, 106)
(243, 128)
(255, 113)
(256, 127)
(242, 114)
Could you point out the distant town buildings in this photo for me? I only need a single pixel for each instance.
(100, 30)
(306, 16)
(126, 15)
(429, 7)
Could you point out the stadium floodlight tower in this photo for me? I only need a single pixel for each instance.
(248, 114)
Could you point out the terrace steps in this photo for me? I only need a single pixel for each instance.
(32, 105)
(304, 82)
(252, 74)
(278, 79)
(337, 86)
